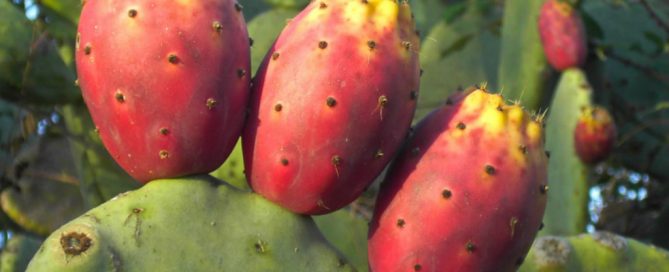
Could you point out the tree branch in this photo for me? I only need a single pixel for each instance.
(654, 16)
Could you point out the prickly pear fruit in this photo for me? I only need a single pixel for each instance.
(466, 194)
(331, 103)
(594, 135)
(166, 82)
(191, 224)
(562, 34)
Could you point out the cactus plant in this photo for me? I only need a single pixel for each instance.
(288, 4)
(171, 225)
(264, 29)
(522, 68)
(467, 51)
(599, 251)
(566, 213)
(199, 223)
(17, 253)
(232, 170)
(346, 231)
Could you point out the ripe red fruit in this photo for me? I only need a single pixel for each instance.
(562, 35)
(331, 103)
(467, 193)
(166, 82)
(594, 135)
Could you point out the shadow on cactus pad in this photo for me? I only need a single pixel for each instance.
(45, 193)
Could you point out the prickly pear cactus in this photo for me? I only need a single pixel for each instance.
(194, 224)
(599, 251)
(594, 135)
(232, 170)
(467, 51)
(166, 82)
(562, 34)
(17, 252)
(346, 231)
(522, 64)
(467, 193)
(287, 4)
(331, 103)
(566, 212)
(264, 29)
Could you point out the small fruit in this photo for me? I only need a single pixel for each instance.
(467, 193)
(562, 34)
(594, 135)
(166, 82)
(331, 103)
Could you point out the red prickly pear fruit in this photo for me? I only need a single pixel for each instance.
(331, 103)
(562, 35)
(594, 135)
(467, 193)
(166, 82)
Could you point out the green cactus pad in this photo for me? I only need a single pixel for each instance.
(17, 253)
(294, 4)
(566, 212)
(232, 170)
(600, 251)
(456, 54)
(67, 9)
(264, 29)
(251, 8)
(427, 13)
(522, 69)
(190, 224)
(348, 233)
